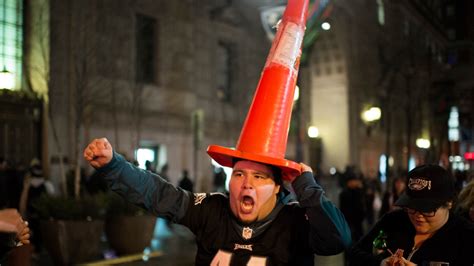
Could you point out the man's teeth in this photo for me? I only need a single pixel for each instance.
(247, 203)
(246, 207)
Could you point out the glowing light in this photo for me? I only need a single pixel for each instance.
(423, 143)
(313, 132)
(391, 161)
(297, 94)
(372, 114)
(146, 254)
(411, 163)
(469, 155)
(453, 124)
(7, 79)
(326, 26)
(383, 168)
(143, 155)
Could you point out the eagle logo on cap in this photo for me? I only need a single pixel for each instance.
(247, 233)
(419, 184)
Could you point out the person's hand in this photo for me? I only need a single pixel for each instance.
(396, 261)
(304, 168)
(98, 153)
(24, 236)
(11, 222)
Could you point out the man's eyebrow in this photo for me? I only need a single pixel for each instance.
(253, 172)
(261, 173)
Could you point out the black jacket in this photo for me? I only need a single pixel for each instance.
(453, 243)
(290, 235)
(7, 242)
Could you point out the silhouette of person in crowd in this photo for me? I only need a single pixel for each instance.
(164, 172)
(372, 189)
(149, 166)
(352, 203)
(34, 185)
(11, 182)
(219, 179)
(391, 195)
(465, 204)
(185, 182)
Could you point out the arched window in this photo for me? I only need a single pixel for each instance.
(11, 42)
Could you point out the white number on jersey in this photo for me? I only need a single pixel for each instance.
(222, 258)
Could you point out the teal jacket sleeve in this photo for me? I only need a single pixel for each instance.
(329, 231)
(145, 189)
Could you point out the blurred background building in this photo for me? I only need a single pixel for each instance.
(383, 85)
(385, 80)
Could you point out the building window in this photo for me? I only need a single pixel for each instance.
(12, 39)
(145, 49)
(224, 71)
(380, 12)
(328, 70)
(453, 124)
(317, 71)
(327, 58)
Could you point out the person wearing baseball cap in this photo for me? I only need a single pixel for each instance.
(423, 230)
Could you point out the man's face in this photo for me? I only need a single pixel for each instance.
(252, 191)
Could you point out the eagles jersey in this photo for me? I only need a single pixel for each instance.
(289, 235)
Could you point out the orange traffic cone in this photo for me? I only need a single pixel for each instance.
(264, 135)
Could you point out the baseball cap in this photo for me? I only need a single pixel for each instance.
(429, 187)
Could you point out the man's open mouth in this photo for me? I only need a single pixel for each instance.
(246, 204)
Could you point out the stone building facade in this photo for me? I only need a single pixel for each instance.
(389, 54)
(172, 76)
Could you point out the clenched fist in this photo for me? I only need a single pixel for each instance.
(98, 153)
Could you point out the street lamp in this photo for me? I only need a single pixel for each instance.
(7, 79)
(326, 26)
(313, 132)
(423, 143)
(370, 116)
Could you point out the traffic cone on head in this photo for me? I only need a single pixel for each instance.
(264, 134)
